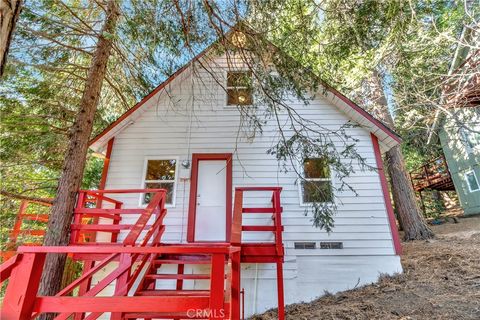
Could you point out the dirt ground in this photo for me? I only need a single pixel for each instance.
(441, 280)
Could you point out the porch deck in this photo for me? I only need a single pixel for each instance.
(433, 175)
(136, 264)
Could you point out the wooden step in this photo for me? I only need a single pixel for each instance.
(261, 228)
(158, 262)
(260, 210)
(189, 293)
(178, 276)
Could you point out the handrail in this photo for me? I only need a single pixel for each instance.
(236, 231)
(81, 211)
(106, 249)
(238, 210)
(17, 230)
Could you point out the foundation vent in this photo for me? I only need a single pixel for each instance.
(331, 245)
(305, 245)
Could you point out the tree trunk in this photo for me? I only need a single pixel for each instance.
(9, 13)
(409, 214)
(74, 163)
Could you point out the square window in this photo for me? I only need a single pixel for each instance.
(239, 88)
(472, 181)
(471, 139)
(316, 185)
(160, 174)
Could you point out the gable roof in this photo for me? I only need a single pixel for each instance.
(387, 137)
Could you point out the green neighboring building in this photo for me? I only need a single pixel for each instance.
(460, 139)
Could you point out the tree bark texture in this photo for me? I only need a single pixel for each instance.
(72, 172)
(9, 13)
(408, 212)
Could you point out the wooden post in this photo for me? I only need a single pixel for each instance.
(18, 221)
(180, 270)
(281, 301)
(217, 284)
(122, 280)
(23, 286)
(235, 286)
(77, 218)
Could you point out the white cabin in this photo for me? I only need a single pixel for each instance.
(185, 130)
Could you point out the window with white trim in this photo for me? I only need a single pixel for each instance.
(472, 181)
(160, 174)
(316, 185)
(239, 88)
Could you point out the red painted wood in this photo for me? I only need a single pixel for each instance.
(86, 276)
(31, 232)
(118, 304)
(173, 249)
(261, 228)
(386, 196)
(143, 219)
(7, 267)
(126, 261)
(192, 207)
(236, 234)
(223, 304)
(97, 211)
(258, 188)
(106, 164)
(235, 286)
(22, 288)
(280, 293)
(260, 210)
(180, 276)
(35, 217)
(217, 284)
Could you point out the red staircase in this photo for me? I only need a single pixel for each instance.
(137, 265)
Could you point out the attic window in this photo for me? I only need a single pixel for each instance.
(239, 88)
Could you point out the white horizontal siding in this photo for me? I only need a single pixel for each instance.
(162, 131)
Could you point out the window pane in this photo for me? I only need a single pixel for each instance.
(473, 138)
(316, 168)
(316, 191)
(239, 79)
(161, 170)
(472, 181)
(241, 97)
(159, 185)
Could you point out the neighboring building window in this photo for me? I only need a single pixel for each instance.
(472, 181)
(317, 183)
(471, 138)
(160, 174)
(239, 88)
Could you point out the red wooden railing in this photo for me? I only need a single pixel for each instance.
(254, 252)
(133, 255)
(29, 211)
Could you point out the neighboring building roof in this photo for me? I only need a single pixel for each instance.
(387, 137)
